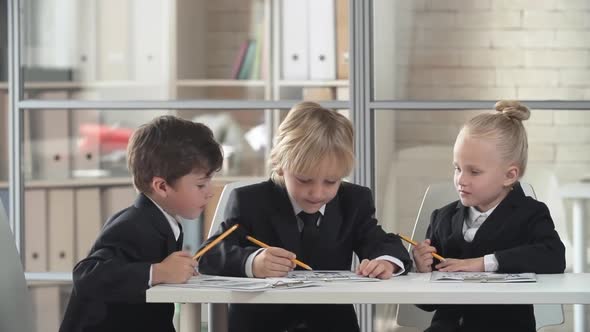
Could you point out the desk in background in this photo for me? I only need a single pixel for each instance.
(414, 288)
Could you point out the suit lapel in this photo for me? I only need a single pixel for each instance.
(284, 221)
(157, 220)
(457, 222)
(496, 222)
(331, 222)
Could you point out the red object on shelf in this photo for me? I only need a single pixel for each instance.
(107, 138)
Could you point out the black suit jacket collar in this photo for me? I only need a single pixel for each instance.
(156, 219)
(493, 224)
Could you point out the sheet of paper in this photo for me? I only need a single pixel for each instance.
(438, 276)
(241, 284)
(325, 275)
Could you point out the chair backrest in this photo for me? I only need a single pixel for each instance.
(219, 215)
(218, 312)
(437, 196)
(16, 309)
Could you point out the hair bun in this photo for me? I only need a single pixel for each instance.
(513, 109)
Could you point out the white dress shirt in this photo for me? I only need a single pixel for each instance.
(471, 225)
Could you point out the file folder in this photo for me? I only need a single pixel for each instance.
(295, 57)
(60, 204)
(88, 220)
(50, 141)
(35, 230)
(322, 36)
(342, 41)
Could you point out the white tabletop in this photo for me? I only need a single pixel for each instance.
(566, 288)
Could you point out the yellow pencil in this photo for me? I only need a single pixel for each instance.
(414, 243)
(264, 245)
(216, 241)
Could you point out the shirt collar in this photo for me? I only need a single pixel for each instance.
(297, 208)
(474, 213)
(171, 220)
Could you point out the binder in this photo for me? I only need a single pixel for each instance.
(4, 139)
(295, 55)
(35, 230)
(248, 64)
(47, 309)
(115, 199)
(60, 203)
(239, 61)
(86, 153)
(342, 42)
(321, 32)
(88, 220)
(86, 51)
(50, 141)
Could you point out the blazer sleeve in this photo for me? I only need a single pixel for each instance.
(372, 241)
(542, 252)
(432, 234)
(115, 270)
(228, 258)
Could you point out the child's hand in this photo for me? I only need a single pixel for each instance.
(466, 265)
(423, 256)
(376, 268)
(273, 262)
(174, 269)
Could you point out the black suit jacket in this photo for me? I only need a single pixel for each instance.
(264, 211)
(520, 232)
(110, 284)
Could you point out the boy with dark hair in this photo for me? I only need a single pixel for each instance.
(171, 161)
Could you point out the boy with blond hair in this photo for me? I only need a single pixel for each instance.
(306, 211)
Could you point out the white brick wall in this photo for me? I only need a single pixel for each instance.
(547, 58)
(572, 118)
(528, 77)
(506, 58)
(491, 19)
(534, 19)
(554, 93)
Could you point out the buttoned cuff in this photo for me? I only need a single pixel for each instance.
(490, 263)
(250, 262)
(394, 261)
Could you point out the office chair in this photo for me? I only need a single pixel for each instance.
(436, 196)
(16, 308)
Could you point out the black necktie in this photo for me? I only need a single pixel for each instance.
(180, 238)
(309, 235)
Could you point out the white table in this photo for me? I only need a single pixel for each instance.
(579, 193)
(414, 288)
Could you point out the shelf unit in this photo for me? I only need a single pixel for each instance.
(192, 33)
(176, 62)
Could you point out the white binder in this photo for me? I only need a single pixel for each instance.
(295, 58)
(322, 40)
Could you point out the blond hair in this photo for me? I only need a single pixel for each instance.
(506, 129)
(309, 134)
